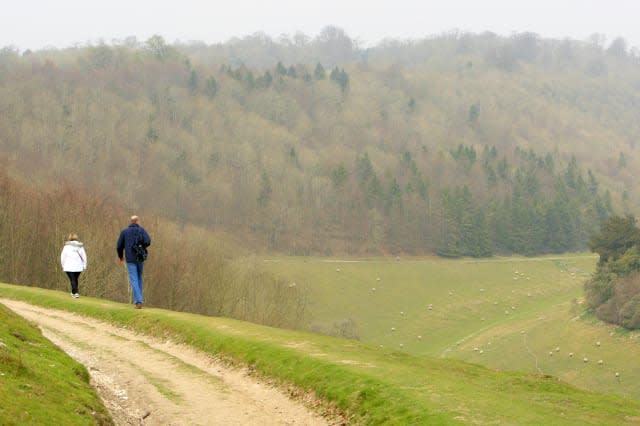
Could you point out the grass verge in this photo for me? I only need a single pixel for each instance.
(40, 384)
(373, 385)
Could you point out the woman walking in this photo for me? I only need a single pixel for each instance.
(74, 260)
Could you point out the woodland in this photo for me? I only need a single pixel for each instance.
(457, 144)
(613, 292)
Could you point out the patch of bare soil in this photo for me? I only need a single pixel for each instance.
(143, 381)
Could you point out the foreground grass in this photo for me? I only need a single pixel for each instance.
(374, 385)
(40, 384)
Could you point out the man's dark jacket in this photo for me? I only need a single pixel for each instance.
(128, 237)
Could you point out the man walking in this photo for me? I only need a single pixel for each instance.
(131, 239)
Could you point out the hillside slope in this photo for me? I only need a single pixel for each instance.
(375, 386)
(462, 144)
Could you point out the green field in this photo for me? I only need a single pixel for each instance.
(505, 313)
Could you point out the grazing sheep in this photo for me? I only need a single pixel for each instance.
(570, 354)
(378, 279)
(617, 374)
(402, 345)
(585, 360)
(476, 349)
(597, 343)
(393, 329)
(481, 352)
(600, 362)
(419, 337)
(550, 353)
(373, 289)
(338, 270)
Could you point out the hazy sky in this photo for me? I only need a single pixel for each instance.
(35, 24)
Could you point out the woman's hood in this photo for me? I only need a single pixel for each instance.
(76, 244)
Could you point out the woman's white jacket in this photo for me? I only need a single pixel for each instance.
(73, 257)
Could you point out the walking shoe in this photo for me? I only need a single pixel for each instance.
(138, 305)
(75, 295)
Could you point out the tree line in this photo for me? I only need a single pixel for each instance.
(613, 292)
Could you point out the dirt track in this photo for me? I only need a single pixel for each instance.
(146, 382)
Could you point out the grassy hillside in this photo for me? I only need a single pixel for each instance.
(520, 314)
(374, 385)
(40, 384)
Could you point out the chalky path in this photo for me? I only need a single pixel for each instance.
(146, 382)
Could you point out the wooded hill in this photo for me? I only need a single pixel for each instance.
(460, 144)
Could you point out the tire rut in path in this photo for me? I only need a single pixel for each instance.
(143, 381)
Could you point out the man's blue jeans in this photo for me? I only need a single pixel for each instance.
(135, 279)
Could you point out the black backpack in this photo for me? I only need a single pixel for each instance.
(139, 249)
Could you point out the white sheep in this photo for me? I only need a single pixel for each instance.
(600, 362)
(585, 360)
(598, 343)
(570, 354)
